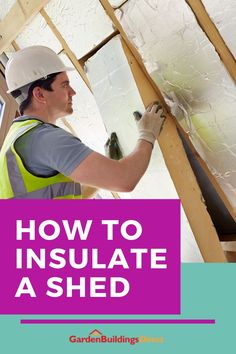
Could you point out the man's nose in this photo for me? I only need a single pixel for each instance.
(72, 92)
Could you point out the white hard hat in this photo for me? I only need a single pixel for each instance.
(30, 64)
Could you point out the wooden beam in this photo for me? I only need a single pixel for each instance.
(66, 48)
(15, 46)
(21, 13)
(214, 36)
(93, 51)
(181, 172)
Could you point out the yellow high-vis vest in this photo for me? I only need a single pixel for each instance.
(16, 182)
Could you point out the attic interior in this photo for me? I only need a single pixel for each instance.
(127, 54)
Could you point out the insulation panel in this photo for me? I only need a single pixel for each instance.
(38, 33)
(194, 82)
(83, 24)
(223, 14)
(117, 97)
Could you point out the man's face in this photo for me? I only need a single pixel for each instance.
(59, 101)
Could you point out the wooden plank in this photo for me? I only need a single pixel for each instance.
(20, 14)
(66, 48)
(15, 46)
(93, 51)
(214, 36)
(181, 172)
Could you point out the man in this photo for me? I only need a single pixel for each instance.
(38, 160)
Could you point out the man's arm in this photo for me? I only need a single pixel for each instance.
(122, 176)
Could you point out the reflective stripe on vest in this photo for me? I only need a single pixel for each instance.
(54, 187)
(18, 187)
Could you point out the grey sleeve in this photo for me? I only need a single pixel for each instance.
(48, 149)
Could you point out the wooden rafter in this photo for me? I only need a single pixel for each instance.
(175, 156)
(21, 13)
(15, 45)
(66, 48)
(93, 51)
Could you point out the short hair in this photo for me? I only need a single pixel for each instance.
(43, 83)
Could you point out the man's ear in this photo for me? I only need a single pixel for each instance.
(38, 94)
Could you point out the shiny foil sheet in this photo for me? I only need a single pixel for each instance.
(193, 80)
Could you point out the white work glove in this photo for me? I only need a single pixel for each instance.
(150, 123)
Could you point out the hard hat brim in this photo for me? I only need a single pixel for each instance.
(65, 69)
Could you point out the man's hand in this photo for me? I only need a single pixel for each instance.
(150, 123)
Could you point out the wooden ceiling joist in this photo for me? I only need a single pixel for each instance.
(93, 51)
